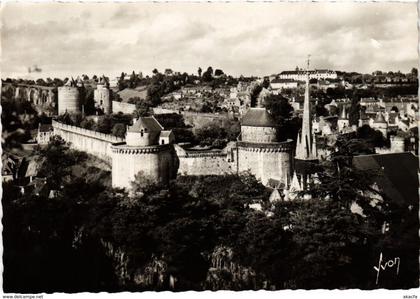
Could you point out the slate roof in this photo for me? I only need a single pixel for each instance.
(258, 117)
(398, 175)
(149, 123)
(165, 133)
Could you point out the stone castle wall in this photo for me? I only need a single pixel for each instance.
(206, 162)
(266, 161)
(94, 143)
(125, 108)
(163, 162)
(198, 120)
(156, 162)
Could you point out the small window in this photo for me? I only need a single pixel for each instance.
(141, 133)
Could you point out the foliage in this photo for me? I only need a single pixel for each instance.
(119, 130)
(55, 160)
(279, 108)
(142, 108)
(217, 136)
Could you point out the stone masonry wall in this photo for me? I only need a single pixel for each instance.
(205, 162)
(125, 108)
(94, 143)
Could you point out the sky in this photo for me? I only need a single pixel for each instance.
(69, 39)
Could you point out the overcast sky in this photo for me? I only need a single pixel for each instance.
(240, 38)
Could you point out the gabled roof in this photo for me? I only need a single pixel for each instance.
(165, 133)
(398, 175)
(258, 117)
(149, 123)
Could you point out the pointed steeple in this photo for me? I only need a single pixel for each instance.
(305, 148)
(343, 114)
(295, 187)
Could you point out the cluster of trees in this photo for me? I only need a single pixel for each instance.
(18, 119)
(378, 76)
(58, 244)
(114, 124)
(216, 135)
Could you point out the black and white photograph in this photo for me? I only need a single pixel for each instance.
(209, 146)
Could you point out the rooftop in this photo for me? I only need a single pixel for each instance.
(149, 123)
(398, 175)
(258, 117)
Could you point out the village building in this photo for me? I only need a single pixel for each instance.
(44, 134)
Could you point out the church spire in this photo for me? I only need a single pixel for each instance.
(305, 147)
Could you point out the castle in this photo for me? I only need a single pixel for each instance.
(148, 149)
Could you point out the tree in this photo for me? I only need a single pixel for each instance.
(104, 124)
(119, 130)
(208, 75)
(218, 73)
(133, 80)
(279, 107)
(373, 137)
(121, 82)
(142, 109)
(354, 113)
(55, 161)
(199, 72)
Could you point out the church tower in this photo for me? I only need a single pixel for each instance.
(343, 121)
(306, 155)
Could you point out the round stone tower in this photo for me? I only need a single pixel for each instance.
(69, 97)
(142, 154)
(260, 153)
(102, 96)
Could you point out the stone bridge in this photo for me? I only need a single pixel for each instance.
(44, 98)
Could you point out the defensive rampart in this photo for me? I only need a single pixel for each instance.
(125, 108)
(206, 162)
(94, 143)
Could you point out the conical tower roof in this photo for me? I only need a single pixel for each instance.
(258, 117)
(380, 118)
(343, 114)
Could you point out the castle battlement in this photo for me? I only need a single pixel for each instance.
(134, 150)
(89, 133)
(199, 154)
(272, 147)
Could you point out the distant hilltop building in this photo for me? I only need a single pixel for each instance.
(69, 96)
(300, 75)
